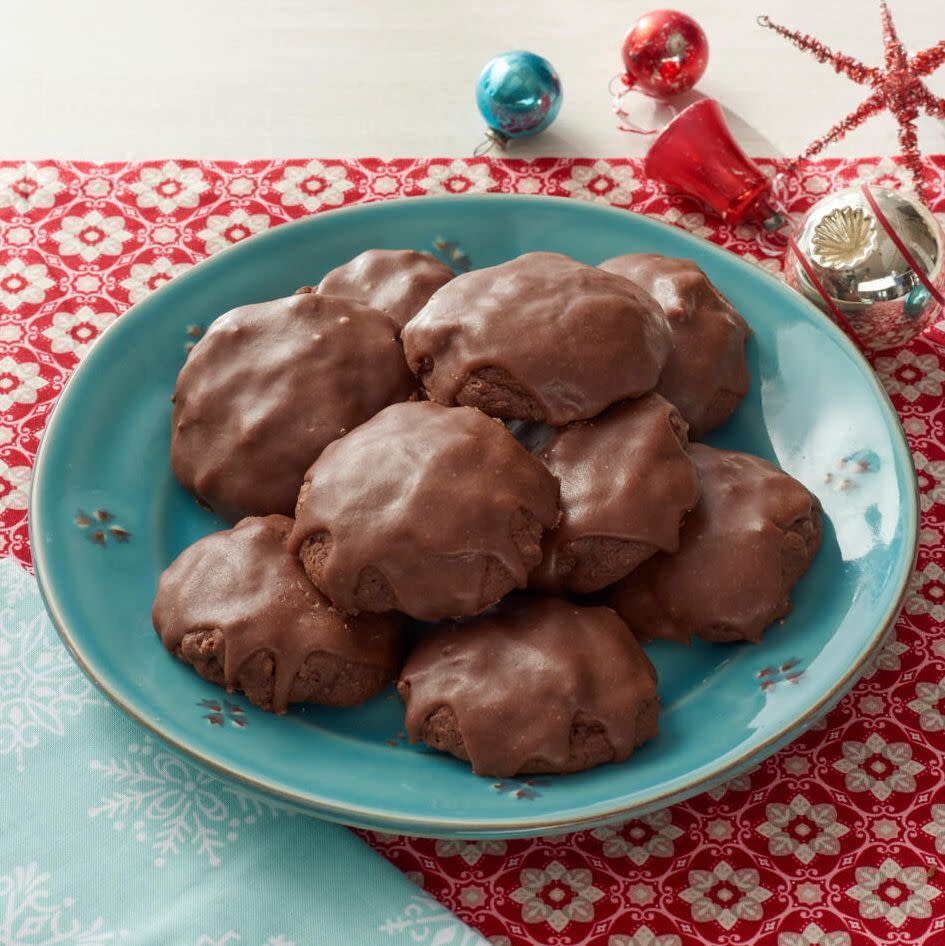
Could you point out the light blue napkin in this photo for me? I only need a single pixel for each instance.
(109, 836)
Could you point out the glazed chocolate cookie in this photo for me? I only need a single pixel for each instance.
(541, 337)
(268, 387)
(239, 609)
(626, 482)
(434, 511)
(536, 685)
(398, 282)
(706, 376)
(741, 550)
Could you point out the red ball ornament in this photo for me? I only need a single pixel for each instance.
(664, 53)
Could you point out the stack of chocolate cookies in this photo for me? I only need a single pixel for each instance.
(495, 468)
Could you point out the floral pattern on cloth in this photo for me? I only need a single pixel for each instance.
(837, 840)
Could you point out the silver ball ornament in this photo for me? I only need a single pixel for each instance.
(875, 258)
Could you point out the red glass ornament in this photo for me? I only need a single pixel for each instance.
(664, 53)
(697, 155)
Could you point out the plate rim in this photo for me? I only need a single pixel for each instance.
(722, 769)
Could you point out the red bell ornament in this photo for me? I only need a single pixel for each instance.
(696, 154)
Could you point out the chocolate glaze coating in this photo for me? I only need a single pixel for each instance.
(741, 550)
(541, 337)
(239, 608)
(705, 376)
(268, 387)
(536, 685)
(437, 512)
(626, 482)
(397, 282)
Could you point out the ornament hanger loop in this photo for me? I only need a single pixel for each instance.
(763, 20)
(624, 121)
(494, 139)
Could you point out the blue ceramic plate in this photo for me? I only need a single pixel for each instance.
(107, 517)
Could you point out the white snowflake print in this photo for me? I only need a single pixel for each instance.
(88, 283)
(816, 184)
(425, 920)
(887, 658)
(796, 765)
(926, 594)
(470, 851)
(649, 836)
(556, 895)
(165, 236)
(813, 935)
(231, 937)
(169, 188)
(41, 687)
(886, 173)
(878, 766)
(527, 185)
(385, 185)
(802, 829)
(894, 893)
(719, 830)
(885, 830)
(241, 186)
(22, 283)
(19, 382)
(28, 187)
(14, 488)
(927, 703)
(74, 332)
(91, 236)
(871, 705)
(725, 895)
(694, 222)
(471, 897)
(144, 278)
(936, 827)
(169, 804)
(602, 182)
(30, 916)
(809, 893)
(97, 187)
(642, 894)
(457, 177)
(223, 230)
(18, 236)
(911, 375)
(741, 783)
(313, 186)
(644, 936)
(931, 477)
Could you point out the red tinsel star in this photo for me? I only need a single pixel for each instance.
(898, 87)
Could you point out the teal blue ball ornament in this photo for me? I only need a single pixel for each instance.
(518, 94)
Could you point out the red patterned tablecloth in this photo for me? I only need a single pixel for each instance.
(835, 841)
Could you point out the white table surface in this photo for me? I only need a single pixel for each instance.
(123, 79)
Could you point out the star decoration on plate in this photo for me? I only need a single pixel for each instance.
(897, 87)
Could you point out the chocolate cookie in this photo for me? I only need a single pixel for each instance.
(705, 376)
(536, 685)
(541, 337)
(626, 482)
(398, 282)
(238, 608)
(741, 550)
(268, 387)
(437, 512)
